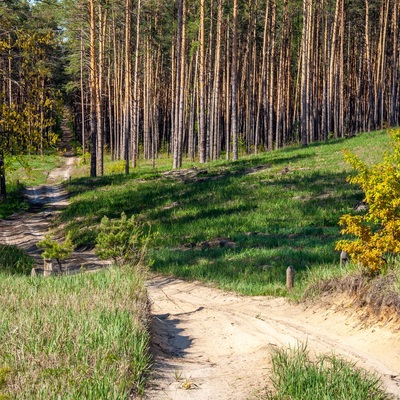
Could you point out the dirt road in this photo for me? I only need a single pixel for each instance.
(212, 345)
(26, 229)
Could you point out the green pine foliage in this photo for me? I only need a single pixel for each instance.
(54, 250)
(122, 240)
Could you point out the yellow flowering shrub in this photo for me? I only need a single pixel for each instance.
(377, 232)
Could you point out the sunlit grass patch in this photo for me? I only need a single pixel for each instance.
(82, 336)
(296, 376)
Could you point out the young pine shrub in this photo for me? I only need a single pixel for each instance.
(122, 240)
(377, 232)
(53, 250)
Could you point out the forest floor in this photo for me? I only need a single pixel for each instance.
(214, 345)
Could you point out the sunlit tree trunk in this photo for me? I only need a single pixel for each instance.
(202, 73)
(93, 90)
(127, 85)
(234, 131)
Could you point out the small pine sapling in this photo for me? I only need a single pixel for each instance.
(122, 240)
(53, 250)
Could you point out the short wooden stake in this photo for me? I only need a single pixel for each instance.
(344, 258)
(289, 278)
(47, 267)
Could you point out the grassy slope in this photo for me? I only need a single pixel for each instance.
(57, 338)
(276, 218)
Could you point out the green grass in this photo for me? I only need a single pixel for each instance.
(276, 218)
(25, 171)
(296, 377)
(74, 337)
(14, 261)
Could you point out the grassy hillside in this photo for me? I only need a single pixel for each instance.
(238, 225)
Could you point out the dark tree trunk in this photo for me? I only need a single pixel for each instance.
(3, 192)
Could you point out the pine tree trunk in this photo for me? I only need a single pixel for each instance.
(202, 133)
(234, 131)
(3, 190)
(395, 65)
(127, 85)
(262, 80)
(93, 90)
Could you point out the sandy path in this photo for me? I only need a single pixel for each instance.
(26, 229)
(219, 343)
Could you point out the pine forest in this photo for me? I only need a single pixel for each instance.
(199, 79)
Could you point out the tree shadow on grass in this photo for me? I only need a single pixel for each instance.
(252, 265)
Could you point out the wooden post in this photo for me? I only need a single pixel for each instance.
(47, 267)
(344, 258)
(289, 278)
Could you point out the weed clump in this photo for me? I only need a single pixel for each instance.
(4, 373)
(14, 261)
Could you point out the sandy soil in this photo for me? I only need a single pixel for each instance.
(210, 344)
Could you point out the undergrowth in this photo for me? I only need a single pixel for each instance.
(14, 261)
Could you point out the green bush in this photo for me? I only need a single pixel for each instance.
(122, 240)
(54, 250)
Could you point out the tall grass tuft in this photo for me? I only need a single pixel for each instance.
(296, 377)
(75, 337)
(14, 261)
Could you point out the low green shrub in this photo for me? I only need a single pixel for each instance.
(122, 240)
(53, 250)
